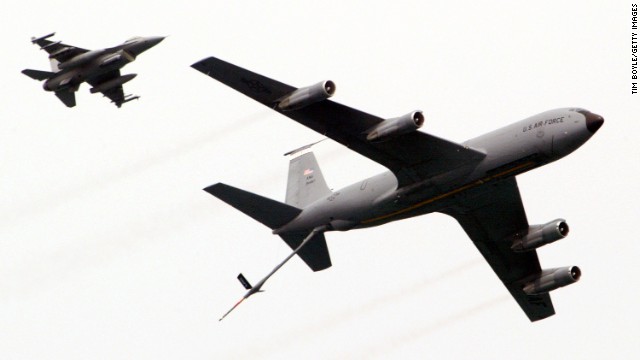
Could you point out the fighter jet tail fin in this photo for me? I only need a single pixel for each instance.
(38, 74)
(306, 183)
(67, 97)
(271, 213)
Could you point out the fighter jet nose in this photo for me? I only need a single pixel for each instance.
(138, 45)
(593, 121)
(155, 40)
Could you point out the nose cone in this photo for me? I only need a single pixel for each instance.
(154, 40)
(594, 122)
(139, 45)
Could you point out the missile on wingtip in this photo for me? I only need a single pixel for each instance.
(35, 39)
(127, 98)
(130, 98)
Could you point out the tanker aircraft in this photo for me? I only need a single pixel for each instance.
(71, 66)
(474, 182)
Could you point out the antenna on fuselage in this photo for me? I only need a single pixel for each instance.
(305, 147)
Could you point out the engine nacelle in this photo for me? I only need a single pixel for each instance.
(552, 279)
(539, 235)
(307, 95)
(396, 126)
(81, 59)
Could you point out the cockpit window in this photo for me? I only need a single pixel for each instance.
(577, 109)
(132, 39)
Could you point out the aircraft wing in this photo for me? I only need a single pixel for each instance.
(57, 50)
(411, 157)
(491, 214)
(116, 93)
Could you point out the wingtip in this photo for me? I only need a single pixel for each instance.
(198, 65)
(35, 39)
(211, 188)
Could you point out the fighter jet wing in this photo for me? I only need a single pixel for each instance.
(411, 157)
(491, 214)
(116, 93)
(57, 50)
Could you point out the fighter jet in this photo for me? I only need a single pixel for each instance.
(71, 66)
(474, 182)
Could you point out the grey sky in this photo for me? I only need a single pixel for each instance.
(109, 249)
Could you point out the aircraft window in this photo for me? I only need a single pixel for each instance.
(132, 39)
(363, 185)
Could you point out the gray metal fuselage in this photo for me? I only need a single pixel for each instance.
(511, 150)
(97, 62)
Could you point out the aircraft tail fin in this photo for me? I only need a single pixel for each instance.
(275, 214)
(271, 213)
(67, 97)
(306, 183)
(38, 74)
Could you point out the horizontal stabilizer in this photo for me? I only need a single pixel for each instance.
(67, 97)
(315, 254)
(271, 213)
(38, 74)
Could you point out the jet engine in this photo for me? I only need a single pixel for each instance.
(396, 126)
(539, 235)
(307, 95)
(552, 279)
(81, 59)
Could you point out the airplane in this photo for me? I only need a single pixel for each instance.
(473, 182)
(71, 66)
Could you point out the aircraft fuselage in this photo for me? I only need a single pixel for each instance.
(94, 63)
(73, 76)
(509, 151)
